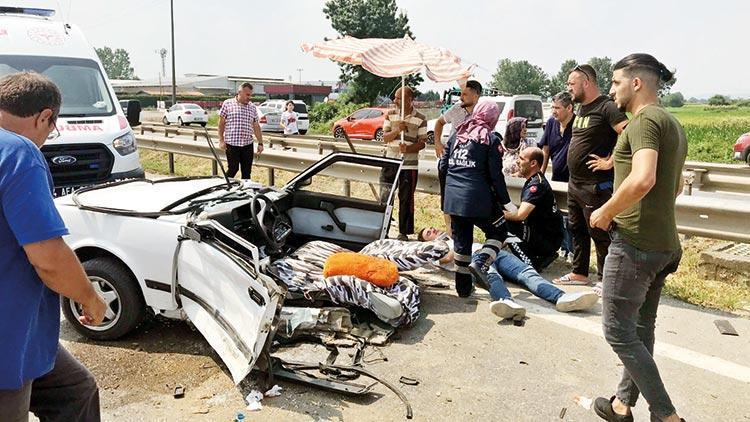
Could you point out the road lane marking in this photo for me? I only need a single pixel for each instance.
(680, 354)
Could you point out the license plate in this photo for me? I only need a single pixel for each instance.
(65, 190)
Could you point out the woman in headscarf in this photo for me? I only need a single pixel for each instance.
(474, 190)
(514, 142)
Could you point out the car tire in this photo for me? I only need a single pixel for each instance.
(338, 132)
(203, 124)
(303, 132)
(378, 135)
(430, 138)
(110, 277)
(179, 120)
(165, 121)
(747, 157)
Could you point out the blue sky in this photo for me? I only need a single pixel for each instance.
(706, 42)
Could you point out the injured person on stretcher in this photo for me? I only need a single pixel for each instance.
(508, 267)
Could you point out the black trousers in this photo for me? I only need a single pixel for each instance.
(463, 237)
(407, 184)
(68, 393)
(535, 248)
(583, 199)
(239, 157)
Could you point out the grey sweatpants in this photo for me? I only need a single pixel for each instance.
(632, 284)
(67, 393)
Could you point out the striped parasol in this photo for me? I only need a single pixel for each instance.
(391, 58)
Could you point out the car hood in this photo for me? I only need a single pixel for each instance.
(143, 195)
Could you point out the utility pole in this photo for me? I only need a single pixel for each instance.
(174, 83)
(163, 54)
(300, 75)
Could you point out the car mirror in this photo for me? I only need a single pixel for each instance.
(305, 182)
(349, 119)
(134, 113)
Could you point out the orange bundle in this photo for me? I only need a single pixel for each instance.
(378, 271)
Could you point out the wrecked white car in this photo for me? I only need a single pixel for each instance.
(222, 253)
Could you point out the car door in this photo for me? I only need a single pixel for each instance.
(344, 198)
(219, 286)
(373, 122)
(358, 123)
(174, 113)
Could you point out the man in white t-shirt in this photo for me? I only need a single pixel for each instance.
(454, 116)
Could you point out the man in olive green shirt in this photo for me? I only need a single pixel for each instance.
(648, 160)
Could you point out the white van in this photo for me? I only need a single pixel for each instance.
(96, 143)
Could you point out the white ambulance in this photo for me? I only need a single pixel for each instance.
(95, 142)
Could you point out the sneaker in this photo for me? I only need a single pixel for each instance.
(385, 307)
(507, 308)
(480, 264)
(402, 237)
(603, 408)
(576, 301)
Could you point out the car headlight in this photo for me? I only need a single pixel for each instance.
(125, 144)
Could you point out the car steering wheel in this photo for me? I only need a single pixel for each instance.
(259, 206)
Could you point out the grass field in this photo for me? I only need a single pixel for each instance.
(712, 131)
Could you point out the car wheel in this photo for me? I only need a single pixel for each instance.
(338, 133)
(747, 157)
(303, 132)
(126, 308)
(165, 121)
(179, 120)
(203, 124)
(430, 138)
(379, 135)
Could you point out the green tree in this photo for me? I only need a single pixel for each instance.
(559, 82)
(520, 77)
(369, 19)
(116, 63)
(603, 67)
(675, 99)
(429, 96)
(718, 100)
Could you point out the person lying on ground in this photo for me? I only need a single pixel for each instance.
(508, 267)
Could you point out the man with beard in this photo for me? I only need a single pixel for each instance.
(648, 160)
(454, 116)
(595, 129)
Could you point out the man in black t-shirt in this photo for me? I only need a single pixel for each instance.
(596, 126)
(537, 222)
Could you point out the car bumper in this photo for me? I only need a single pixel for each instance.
(132, 174)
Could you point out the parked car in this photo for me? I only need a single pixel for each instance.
(528, 106)
(199, 248)
(742, 148)
(365, 123)
(273, 124)
(185, 114)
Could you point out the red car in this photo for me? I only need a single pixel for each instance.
(365, 123)
(742, 148)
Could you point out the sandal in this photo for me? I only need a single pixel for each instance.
(566, 280)
(598, 289)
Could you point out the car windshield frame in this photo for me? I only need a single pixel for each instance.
(41, 64)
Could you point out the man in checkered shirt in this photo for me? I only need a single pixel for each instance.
(414, 128)
(238, 123)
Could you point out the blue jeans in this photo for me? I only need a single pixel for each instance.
(567, 243)
(507, 266)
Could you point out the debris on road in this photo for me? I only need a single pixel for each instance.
(408, 381)
(275, 391)
(253, 401)
(584, 402)
(725, 327)
(562, 412)
(179, 392)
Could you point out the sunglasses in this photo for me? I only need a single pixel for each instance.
(54, 134)
(578, 68)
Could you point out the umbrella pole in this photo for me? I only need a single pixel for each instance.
(403, 84)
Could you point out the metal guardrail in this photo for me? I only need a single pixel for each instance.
(698, 215)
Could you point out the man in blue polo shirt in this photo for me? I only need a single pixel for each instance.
(557, 134)
(36, 373)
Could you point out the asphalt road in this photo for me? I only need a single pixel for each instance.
(470, 367)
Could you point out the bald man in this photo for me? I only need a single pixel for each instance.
(537, 221)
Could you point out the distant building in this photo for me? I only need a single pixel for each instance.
(197, 85)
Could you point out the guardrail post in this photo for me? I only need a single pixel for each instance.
(347, 188)
(214, 168)
(320, 148)
(271, 177)
(170, 158)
